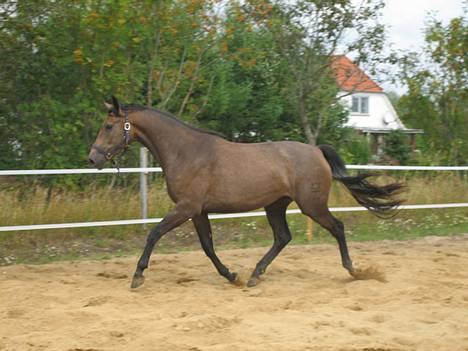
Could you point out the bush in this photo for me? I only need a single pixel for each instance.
(356, 149)
(396, 146)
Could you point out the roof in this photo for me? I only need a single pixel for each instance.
(350, 77)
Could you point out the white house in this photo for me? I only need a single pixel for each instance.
(370, 110)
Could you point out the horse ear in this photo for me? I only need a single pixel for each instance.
(116, 104)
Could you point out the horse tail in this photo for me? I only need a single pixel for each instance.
(379, 199)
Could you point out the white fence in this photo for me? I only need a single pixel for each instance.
(158, 169)
(145, 170)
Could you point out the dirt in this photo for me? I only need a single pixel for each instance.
(306, 301)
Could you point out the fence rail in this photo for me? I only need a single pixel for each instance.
(214, 216)
(146, 170)
(159, 169)
(79, 171)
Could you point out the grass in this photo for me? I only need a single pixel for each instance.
(30, 207)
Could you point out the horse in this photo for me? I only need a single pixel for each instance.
(206, 173)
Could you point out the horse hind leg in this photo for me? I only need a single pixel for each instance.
(321, 214)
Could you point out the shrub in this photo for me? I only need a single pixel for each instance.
(396, 146)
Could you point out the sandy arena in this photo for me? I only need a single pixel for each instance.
(306, 301)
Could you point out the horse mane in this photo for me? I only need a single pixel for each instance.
(136, 108)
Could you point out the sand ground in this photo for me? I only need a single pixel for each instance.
(306, 301)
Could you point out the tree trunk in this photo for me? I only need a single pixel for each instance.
(305, 124)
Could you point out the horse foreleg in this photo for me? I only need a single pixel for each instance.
(276, 214)
(203, 228)
(176, 217)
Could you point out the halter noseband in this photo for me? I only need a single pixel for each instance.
(111, 152)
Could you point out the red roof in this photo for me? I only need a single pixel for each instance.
(351, 78)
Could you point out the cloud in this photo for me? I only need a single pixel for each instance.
(405, 19)
(405, 22)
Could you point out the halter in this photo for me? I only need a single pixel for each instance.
(127, 127)
(114, 150)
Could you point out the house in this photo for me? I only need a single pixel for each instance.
(370, 110)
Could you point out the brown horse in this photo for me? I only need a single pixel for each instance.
(206, 173)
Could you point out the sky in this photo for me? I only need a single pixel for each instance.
(405, 21)
(405, 18)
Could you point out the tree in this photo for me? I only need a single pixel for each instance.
(40, 103)
(309, 33)
(247, 69)
(438, 90)
(59, 60)
(246, 102)
(396, 146)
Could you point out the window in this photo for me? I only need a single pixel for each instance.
(360, 104)
(355, 106)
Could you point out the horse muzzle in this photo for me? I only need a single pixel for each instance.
(96, 159)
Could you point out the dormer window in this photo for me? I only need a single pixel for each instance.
(360, 104)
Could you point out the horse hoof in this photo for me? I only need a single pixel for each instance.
(253, 281)
(235, 279)
(137, 281)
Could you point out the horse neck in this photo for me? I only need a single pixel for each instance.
(166, 138)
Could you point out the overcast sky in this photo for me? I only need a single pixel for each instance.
(405, 21)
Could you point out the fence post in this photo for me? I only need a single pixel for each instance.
(310, 229)
(144, 183)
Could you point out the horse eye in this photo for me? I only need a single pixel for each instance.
(108, 126)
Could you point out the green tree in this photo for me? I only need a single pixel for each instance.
(40, 107)
(246, 103)
(437, 98)
(396, 146)
(60, 59)
(309, 33)
(236, 67)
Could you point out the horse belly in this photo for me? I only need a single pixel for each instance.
(245, 189)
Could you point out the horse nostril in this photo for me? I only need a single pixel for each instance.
(91, 161)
